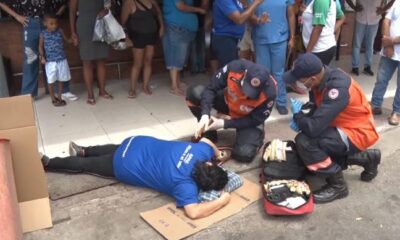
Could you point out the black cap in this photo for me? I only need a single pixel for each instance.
(254, 81)
(306, 65)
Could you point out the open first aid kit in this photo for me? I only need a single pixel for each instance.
(285, 191)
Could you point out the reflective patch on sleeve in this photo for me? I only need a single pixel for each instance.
(333, 93)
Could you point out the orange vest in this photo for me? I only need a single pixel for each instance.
(356, 119)
(238, 103)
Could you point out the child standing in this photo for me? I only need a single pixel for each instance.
(51, 50)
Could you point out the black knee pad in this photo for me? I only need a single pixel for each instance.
(244, 153)
(193, 94)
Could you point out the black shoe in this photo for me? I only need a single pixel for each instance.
(335, 189)
(369, 160)
(368, 71)
(45, 160)
(282, 110)
(355, 71)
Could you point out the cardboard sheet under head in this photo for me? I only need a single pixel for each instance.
(172, 222)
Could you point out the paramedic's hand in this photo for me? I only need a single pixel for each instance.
(296, 105)
(216, 123)
(23, 20)
(293, 126)
(202, 126)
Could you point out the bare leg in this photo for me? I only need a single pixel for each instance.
(148, 58)
(60, 89)
(88, 77)
(175, 82)
(101, 76)
(136, 67)
(51, 92)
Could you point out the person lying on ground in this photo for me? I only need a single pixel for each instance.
(176, 168)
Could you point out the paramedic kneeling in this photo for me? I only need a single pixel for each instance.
(178, 169)
(245, 93)
(338, 128)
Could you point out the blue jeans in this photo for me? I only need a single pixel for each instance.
(30, 69)
(176, 42)
(273, 57)
(225, 49)
(386, 69)
(366, 33)
(198, 52)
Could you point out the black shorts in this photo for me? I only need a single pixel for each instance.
(141, 40)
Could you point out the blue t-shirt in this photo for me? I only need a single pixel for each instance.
(53, 46)
(277, 30)
(165, 166)
(174, 16)
(222, 25)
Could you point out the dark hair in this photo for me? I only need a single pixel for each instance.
(50, 16)
(209, 177)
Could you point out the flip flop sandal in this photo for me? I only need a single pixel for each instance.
(107, 96)
(131, 94)
(91, 101)
(58, 103)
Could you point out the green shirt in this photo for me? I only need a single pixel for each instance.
(320, 11)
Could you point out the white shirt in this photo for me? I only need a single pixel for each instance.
(368, 15)
(394, 16)
(327, 38)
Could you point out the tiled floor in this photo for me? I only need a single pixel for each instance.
(110, 121)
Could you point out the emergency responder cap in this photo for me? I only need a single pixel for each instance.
(306, 65)
(255, 80)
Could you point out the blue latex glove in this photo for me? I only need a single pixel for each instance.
(293, 125)
(296, 105)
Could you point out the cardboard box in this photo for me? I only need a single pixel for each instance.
(18, 125)
(10, 227)
(172, 222)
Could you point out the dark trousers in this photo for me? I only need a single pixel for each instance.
(327, 55)
(328, 145)
(98, 160)
(225, 49)
(248, 140)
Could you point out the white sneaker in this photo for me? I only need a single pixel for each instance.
(69, 96)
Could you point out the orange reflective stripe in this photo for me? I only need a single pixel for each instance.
(324, 164)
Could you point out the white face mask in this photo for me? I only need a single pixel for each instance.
(302, 86)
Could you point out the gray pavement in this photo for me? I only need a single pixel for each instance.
(87, 207)
(371, 211)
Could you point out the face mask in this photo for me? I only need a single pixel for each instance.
(302, 86)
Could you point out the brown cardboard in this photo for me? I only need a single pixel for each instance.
(18, 125)
(10, 227)
(172, 222)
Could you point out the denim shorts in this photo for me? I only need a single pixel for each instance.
(176, 41)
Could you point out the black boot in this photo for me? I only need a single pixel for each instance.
(369, 160)
(335, 189)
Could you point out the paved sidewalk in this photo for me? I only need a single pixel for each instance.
(162, 115)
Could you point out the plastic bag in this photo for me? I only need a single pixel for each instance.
(107, 29)
(114, 31)
(99, 31)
